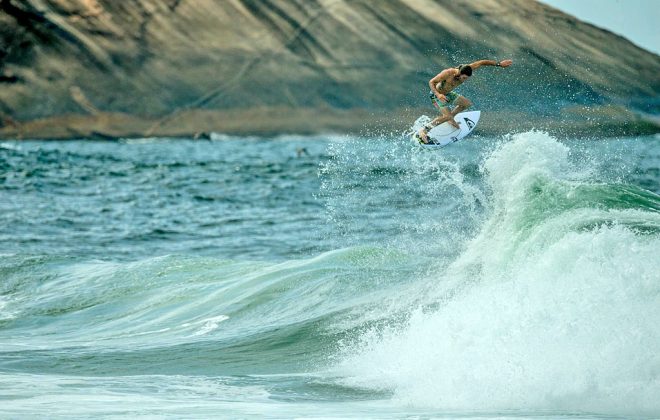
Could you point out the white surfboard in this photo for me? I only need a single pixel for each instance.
(445, 133)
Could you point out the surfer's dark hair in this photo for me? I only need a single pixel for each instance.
(465, 69)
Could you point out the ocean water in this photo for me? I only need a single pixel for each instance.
(330, 277)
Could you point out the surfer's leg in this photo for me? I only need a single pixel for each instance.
(444, 117)
(447, 116)
(462, 103)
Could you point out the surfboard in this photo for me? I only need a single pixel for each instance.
(445, 133)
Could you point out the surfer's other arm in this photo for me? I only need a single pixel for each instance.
(503, 63)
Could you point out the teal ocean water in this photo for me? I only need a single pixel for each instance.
(330, 276)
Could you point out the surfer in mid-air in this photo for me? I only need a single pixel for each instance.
(443, 96)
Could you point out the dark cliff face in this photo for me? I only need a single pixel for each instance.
(153, 57)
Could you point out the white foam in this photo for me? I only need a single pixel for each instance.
(531, 316)
(6, 314)
(210, 324)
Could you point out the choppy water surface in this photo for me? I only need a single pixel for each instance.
(359, 277)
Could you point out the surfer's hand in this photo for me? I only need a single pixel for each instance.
(506, 63)
(443, 98)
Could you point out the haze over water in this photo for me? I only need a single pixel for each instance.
(362, 277)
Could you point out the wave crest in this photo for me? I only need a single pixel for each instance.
(554, 304)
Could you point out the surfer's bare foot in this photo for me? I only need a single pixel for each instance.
(453, 122)
(422, 136)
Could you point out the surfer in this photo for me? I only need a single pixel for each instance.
(443, 96)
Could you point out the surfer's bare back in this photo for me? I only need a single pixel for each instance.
(443, 97)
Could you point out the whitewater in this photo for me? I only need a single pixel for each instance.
(330, 277)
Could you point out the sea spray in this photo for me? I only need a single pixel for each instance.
(413, 195)
(554, 305)
(201, 279)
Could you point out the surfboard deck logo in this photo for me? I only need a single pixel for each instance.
(445, 133)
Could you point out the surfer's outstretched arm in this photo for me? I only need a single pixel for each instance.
(503, 63)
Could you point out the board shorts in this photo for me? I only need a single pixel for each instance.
(451, 97)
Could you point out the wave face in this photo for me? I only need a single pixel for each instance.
(359, 278)
(553, 304)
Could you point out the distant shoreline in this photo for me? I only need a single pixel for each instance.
(198, 123)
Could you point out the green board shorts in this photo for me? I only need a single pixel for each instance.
(451, 97)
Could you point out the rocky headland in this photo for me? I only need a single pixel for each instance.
(136, 68)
